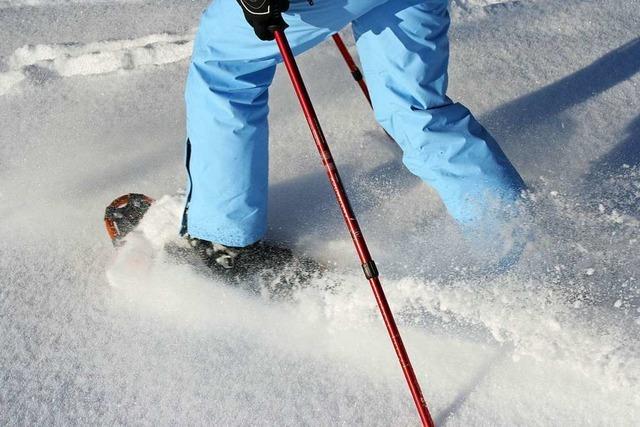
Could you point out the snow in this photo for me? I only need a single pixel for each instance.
(91, 107)
(21, 3)
(73, 59)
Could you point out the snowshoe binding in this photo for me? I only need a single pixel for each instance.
(262, 267)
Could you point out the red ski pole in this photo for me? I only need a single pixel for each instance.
(369, 267)
(355, 71)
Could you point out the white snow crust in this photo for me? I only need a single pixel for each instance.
(91, 107)
(104, 57)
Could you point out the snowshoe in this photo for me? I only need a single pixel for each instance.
(260, 267)
(124, 214)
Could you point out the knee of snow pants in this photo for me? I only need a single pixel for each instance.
(404, 52)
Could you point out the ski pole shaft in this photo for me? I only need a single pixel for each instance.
(355, 71)
(368, 265)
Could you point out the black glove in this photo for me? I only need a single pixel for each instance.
(264, 16)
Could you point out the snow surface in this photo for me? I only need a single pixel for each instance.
(91, 107)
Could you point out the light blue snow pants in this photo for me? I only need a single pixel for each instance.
(403, 48)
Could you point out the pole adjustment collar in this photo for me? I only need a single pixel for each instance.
(370, 270)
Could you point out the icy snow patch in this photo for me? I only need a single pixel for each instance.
(95, 58)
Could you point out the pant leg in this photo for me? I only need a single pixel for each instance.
(404, 54)
(227, 108)
(227, 130)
